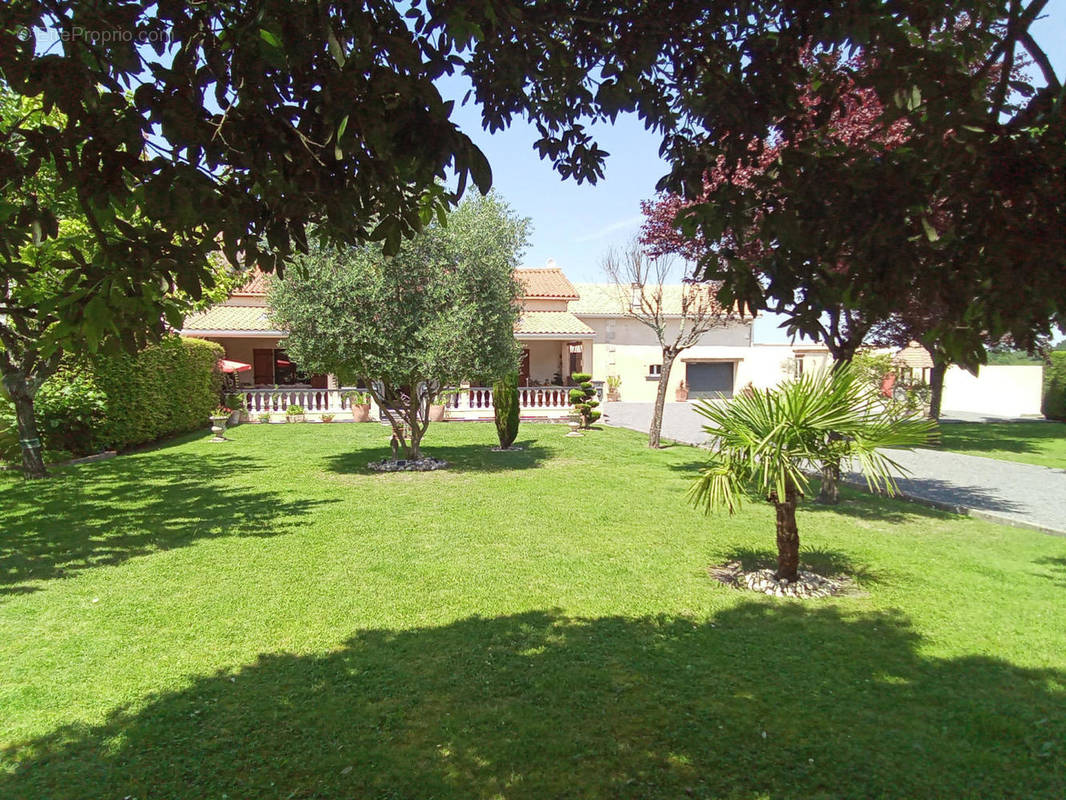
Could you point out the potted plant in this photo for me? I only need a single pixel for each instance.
(238, 413)
(359, 403)
(681, 393)
(264, 416)
(218, 423)
(614, 382)
(295, 413)
(327, 418)
(438, 405)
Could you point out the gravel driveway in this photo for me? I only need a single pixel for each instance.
(1004, 491)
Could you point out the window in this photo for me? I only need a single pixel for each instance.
(610, 330)
(655, 371)
(634, 298)
(797, 367)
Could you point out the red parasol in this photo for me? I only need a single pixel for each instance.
(226, 365)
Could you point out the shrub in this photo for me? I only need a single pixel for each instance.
(1054, 402)
(70, 408)
(235, 402)
(167, 388)
(584, 399)
(505, 402)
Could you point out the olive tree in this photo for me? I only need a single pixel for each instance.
(439, 312)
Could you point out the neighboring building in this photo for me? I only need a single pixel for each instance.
(563, 328)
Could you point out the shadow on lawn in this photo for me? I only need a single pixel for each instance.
(1056, 569)
(460, 458)
(1009, 437)
(107, 512)
(818, 559)
(762, 700)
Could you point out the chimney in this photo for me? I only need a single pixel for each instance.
(550, 264)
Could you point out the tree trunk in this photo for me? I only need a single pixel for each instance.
(829, 493)
(936, 386)
(655, 431)
(788, 541)
(22, 397)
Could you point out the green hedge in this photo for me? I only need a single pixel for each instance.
(117, 401)
(169, 388)
(1054, 405)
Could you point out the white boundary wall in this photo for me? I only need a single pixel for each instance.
(996, 390)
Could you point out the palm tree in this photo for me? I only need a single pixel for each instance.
(763, 440)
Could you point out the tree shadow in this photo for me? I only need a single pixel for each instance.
(1056, 572)
(460, 458)
(857, 502)
(816, 559)
(1010, 437)
(106, 512)
(766, 700)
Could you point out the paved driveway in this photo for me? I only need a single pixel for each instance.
(1016, 494)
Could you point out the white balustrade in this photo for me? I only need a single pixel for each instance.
(470, 398)
(311, 400)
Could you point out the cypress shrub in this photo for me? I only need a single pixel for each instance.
(505, 403)
(1054, 402)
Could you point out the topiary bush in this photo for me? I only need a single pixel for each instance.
(583, 399)
(505, 404)
(1054, 402)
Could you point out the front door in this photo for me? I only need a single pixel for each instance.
(263, 367)
(523, 368)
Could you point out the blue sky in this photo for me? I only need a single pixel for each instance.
(576, 224)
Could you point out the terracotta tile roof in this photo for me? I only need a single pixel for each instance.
(609, 299)
(914, 356)
(256, 286)
(230, 318)
(549, 322)
(546, 282)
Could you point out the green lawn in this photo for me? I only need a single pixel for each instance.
(266, 619)
(1040, 443)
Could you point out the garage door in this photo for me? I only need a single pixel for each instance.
(709, 380)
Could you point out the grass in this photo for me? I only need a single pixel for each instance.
(1040, 443)
(266, 619)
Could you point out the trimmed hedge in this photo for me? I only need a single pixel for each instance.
(1054, 403)
(117, 401)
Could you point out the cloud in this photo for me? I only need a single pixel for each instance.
(622, 224)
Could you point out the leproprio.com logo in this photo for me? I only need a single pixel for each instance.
(78, 33)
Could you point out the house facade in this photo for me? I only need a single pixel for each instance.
(563, 328)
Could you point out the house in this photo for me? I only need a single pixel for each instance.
(563, 328)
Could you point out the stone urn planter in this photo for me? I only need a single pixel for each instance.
(234, 418)
(295, 414)
(361, 412)
(436, 413)
(218, 427)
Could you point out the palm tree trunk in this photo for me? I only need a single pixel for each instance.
(788, 541)
(829, 493)
(655, 431)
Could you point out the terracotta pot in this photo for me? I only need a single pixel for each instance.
(361, 412)
(436, 413)
(681, 394)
